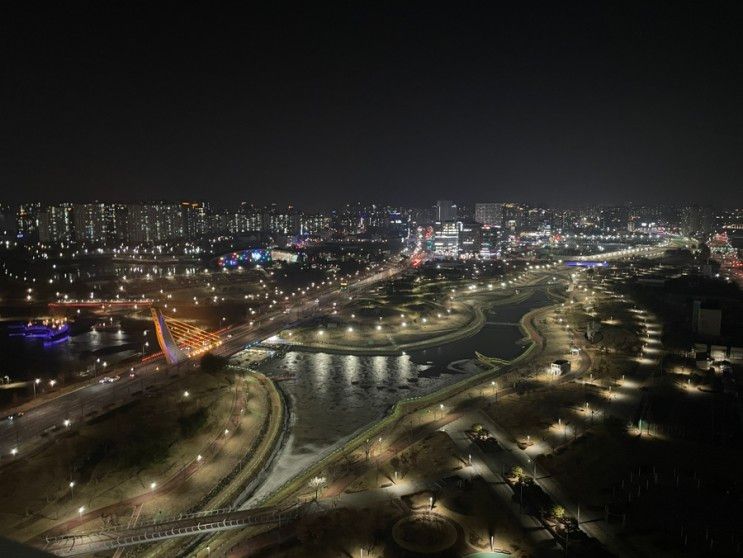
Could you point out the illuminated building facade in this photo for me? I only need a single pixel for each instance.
(56, 224)
(155, 222)
(195, 219)
(100, 223)
(27, 221)
(446, 239)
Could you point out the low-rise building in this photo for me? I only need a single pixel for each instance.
(560, 367)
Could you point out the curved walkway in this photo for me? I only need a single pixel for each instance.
(478, 321)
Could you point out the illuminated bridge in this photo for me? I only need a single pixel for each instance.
(99, 304)
(180, 340)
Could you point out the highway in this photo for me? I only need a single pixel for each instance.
(44, 419)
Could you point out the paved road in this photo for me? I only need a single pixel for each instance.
(48, 418)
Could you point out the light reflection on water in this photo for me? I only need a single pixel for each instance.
(24, 358)
(332, 396)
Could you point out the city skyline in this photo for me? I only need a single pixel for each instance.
(456, 227)
(384, 279)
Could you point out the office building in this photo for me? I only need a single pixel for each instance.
(446, 210)
(446, 239)
(470, 239)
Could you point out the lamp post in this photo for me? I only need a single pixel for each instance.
(37, 381)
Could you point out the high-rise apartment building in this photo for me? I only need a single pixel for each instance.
(195, 219)
(155, 222)
(27, 221)
(489, 214)
(280, 220)
(100, 223)
(314, 223)
(56, 223)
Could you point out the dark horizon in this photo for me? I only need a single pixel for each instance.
(563, 105)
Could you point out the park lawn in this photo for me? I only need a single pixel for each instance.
(431, 457)
(115, 456)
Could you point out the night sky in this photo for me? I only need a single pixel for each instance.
(321, 103)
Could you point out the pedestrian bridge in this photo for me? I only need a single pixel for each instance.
(180, 340)
(182, 526)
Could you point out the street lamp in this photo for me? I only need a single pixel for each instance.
(37, 381)
(80, 511)
(72, 487)
(153, 485)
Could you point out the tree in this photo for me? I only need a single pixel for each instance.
(517, 472)
(558, 512)
(317, 484)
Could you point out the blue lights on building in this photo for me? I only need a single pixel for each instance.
(253, 256)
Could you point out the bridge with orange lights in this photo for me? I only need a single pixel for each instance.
(98, 304)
